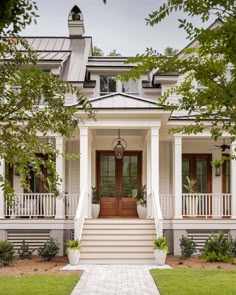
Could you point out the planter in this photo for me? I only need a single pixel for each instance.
(95, 210)
(73, 256)
(160, 256)
(142, 211)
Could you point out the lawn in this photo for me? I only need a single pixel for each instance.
(195, 282)
(38, 284)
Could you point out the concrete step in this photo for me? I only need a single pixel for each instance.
(118, 261)
(118, 221)
(116, 231)
(112, 249)
(119, 226)
(117, 237)
(120, 243)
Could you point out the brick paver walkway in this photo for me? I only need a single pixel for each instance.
(115, 280)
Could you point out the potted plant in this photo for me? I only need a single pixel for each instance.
(95, 203)
(160, 250)
(73, 251)
(142, 203)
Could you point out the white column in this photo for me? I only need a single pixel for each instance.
(60, 170)
(233, 179)
(2, 172)
(149, 181)
(177, 157)
(84, 164)
(155, 159)
(90, 174)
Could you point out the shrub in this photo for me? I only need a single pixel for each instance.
(24, 252)
(160, 244)
(49, 249)
(234, 247)
(217, 248)
(188, 247)
(72, 245)
(7, 253)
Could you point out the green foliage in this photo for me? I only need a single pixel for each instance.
(49, 249)
(32, 102)
(24, 252)
(97, 51)
(233, 247)
(212, 63)
(217, 248)
(160, 244)
(188, 247)
(190, 185)
(114, 53)
(169, 51)
(72, 245)
(7, 253)
(95, 199)
(142, 196)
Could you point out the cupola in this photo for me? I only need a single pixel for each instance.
(76, 22)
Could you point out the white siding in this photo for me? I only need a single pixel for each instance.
(72, 168)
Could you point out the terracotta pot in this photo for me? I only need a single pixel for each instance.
(142, 211)
(160, 256)
(95, 210)
(73, 256)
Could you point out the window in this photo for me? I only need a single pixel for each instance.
(226, 177)
(197, 167)
(107, 84)
(130, 87)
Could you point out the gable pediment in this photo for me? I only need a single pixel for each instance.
(122, 101)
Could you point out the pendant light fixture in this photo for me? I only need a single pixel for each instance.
(119, 145)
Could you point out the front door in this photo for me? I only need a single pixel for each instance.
(118, 183)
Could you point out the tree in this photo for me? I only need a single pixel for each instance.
(169, 51)
(23, 89)
(212, 64)
(114, 53)
(97, 51)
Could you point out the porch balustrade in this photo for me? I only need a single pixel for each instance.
(39, 205)
(167, 206)
(206, 205)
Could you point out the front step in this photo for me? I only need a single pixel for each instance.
(117, 241)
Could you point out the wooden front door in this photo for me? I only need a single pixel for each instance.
(118, 183)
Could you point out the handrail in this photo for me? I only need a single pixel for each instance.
(157, 214)
(80, 215)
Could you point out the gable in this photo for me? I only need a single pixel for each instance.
(122, 101)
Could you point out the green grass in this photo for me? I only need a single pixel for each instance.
(38, 284)
(195, 282)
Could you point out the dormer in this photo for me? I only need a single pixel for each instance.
(76, 22)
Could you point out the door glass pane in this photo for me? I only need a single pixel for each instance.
(130, 177)
(107, 177)
(185, 173)
(201, 175)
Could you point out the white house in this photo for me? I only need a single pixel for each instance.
(152, 157)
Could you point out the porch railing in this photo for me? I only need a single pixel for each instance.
(30, 205)
(167, 206)
(206, 205)
(71, 204)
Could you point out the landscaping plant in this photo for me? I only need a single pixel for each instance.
(160, 244)
(218, 248)
(7, 253)
(49, 249)
(24, 252)
(188, 247)
(72, 245)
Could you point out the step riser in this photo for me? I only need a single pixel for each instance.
(117, 255)
(119, 226)
(118, 237)
(104, 249)
(117, 243)
(118, 261)
(118, 221)
(118, 232)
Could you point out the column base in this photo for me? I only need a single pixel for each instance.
(178, 217)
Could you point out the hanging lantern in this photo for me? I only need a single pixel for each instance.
(119, 145)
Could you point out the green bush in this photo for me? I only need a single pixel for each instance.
(161, 244)
(49, 249)
(7, 253)
(234, 247)
(24, 252)
(188, 247)
(218, 248)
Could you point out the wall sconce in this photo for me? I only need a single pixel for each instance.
(217, 170)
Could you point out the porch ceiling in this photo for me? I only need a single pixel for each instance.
(123, 132)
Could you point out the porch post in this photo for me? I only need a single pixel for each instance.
(233, 180)
(60, 170)
(2, 203)
(84, 164)
(155, 160)
(177, 175)
(148, 176)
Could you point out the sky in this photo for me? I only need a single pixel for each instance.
(120, 24)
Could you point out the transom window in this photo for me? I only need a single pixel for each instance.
(130, 86)
(107, 84)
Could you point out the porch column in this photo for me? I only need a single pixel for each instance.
(177, 175)
(84, 164)
(148, 176)
(233, 180)
(155, 160)
(60, 170)
(2, 172)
